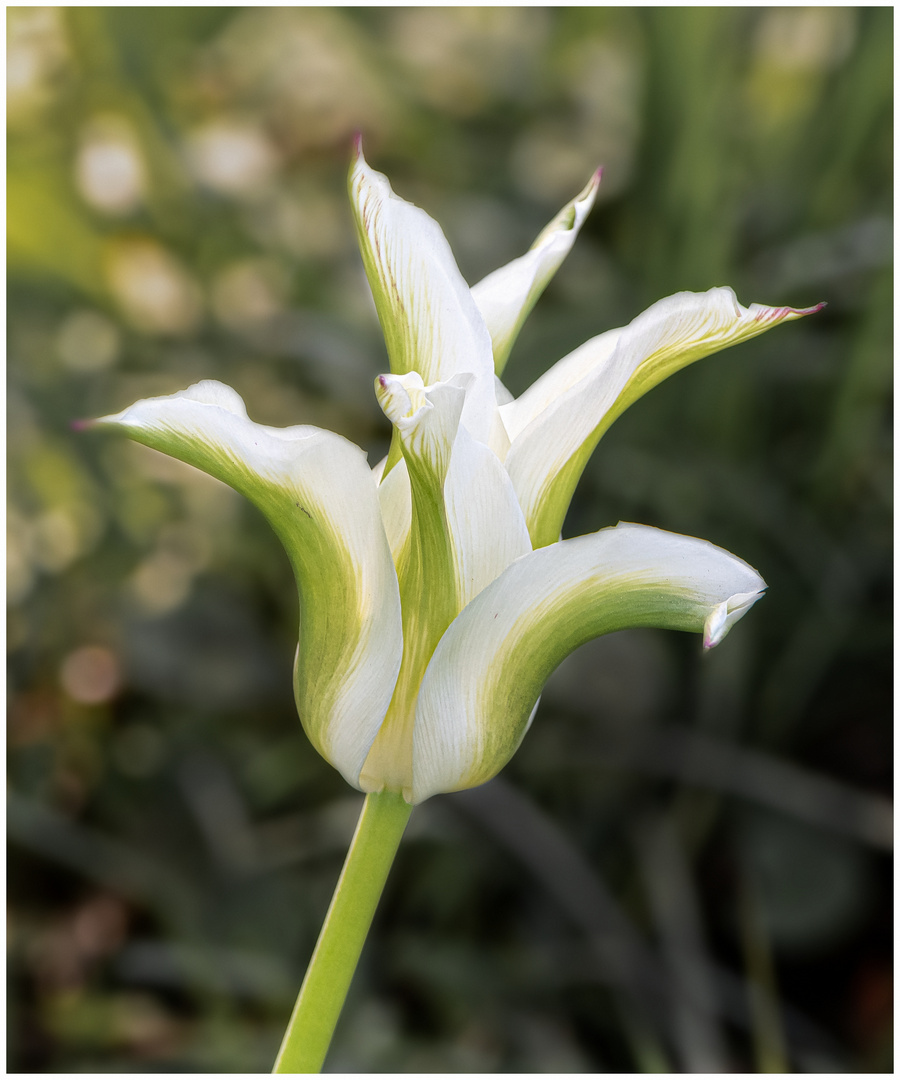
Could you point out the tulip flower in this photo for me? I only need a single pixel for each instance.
(436, 596)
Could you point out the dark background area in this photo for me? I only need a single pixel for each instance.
(686, 867)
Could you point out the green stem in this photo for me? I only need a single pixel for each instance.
(343, 933)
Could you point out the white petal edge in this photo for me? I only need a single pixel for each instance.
(431, 323)
(506, 296)
(555, 424)
(319, 495)
(395, 498)
(486, 525)
(490, 666)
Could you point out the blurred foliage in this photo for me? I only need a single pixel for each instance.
(685, 868)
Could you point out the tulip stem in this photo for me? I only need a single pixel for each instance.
(372, 850)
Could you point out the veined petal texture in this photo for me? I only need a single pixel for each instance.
(462, 505)
(320, 497)
(555, 425)
(430, 321)
(506, 296)
(490, 666)
(464, 528)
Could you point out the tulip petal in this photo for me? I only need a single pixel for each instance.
(465, 528)
(320, 497)
(486, 525)
(506, 296)
(490, 666)
(464, 519)
(430, 321)
(396, 508)
(555, 425)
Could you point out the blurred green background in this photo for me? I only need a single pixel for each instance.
(686, 867)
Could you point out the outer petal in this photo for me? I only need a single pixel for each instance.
(463, 508)
(320, 497)
(555, 425)
(486, 525)
(430, 322)
(395, 497)
(465, 527)
(506, 296)
(490, 666)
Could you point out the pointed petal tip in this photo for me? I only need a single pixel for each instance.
(589, 191)
(778, 314)
(357, 143)
(81, 425)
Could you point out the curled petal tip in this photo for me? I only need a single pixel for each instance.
(716, 625)
(725, 615)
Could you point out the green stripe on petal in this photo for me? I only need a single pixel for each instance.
(488, 671)
(425, 422)
(430, 321)
(320, 497)
(506, 297)
(555, 425)
(690, 326)
(465, 528)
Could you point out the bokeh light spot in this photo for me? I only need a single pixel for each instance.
(804, 39)
(91, 674)
(248, 292)
(36, 51)
(156, 292)
(231, 158)
(87, 341)
(55, 540)
(109, 168)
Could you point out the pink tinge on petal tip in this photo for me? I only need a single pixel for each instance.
(774, 314)
(81, 425)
